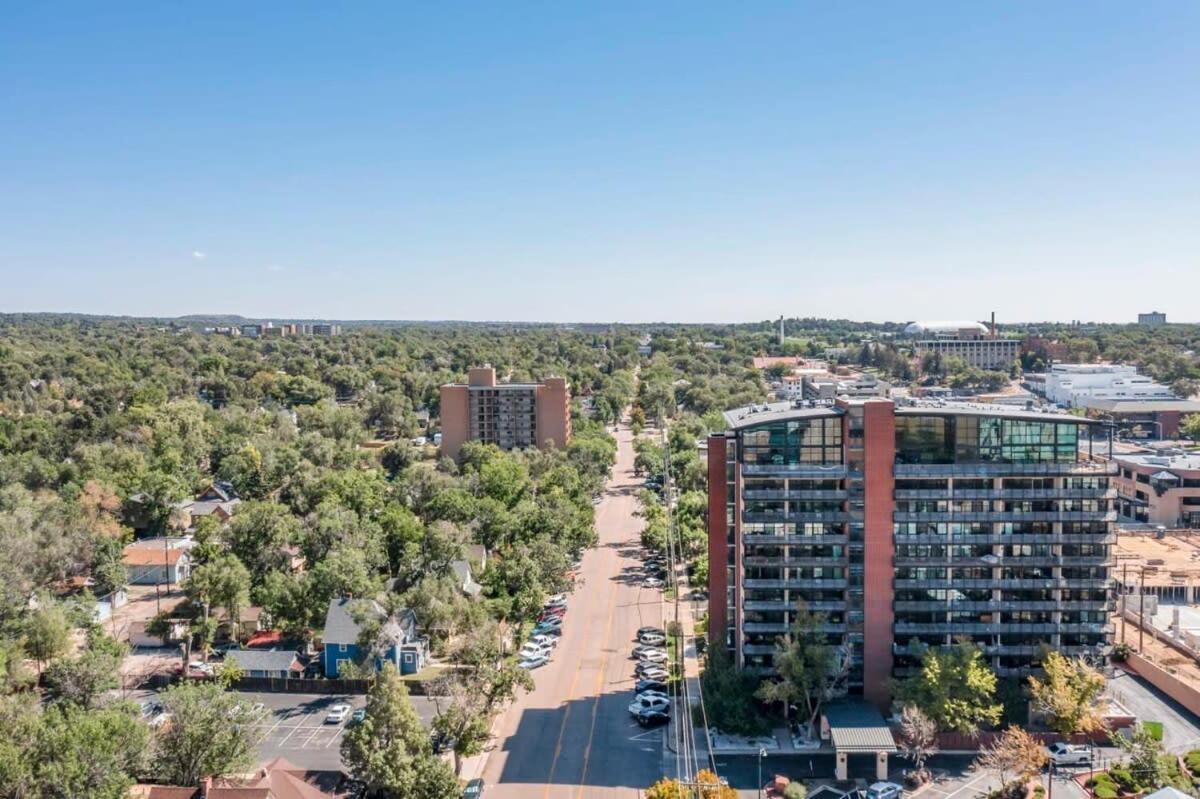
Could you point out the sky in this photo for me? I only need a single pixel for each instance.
(602, 161)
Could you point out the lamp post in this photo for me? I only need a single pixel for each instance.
(761, 754)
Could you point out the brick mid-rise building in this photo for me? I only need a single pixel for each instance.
(509, 415)
(913, 523)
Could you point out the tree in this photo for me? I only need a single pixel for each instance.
(83, 680)
(729, 696)
(918, 738)
(483, 684)
(108, 569)
(204, 737)
(955, 688)
(390, 751)
(93, 753)
(223, 581)
(1191, 426)
(809, 669)
(1071, 696)
(1014, 752)
(47, 632)
(708, 787)
(1146, 761)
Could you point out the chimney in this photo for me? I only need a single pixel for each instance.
(993, 324)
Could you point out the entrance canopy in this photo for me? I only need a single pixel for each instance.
(858, 727)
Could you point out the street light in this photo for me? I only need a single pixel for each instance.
(762, 752)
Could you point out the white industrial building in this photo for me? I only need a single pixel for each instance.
(1076, 385)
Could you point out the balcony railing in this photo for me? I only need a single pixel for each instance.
(828, 583)
(1004, 469)
(948, 583)
(1006, 516)
(831, 472)
(1107, 537)
(829, 493)
(750, 540)
(1006, 493)
(831, 516)
(758, 560)
(763, 604)
(781, 628)
(994, 606)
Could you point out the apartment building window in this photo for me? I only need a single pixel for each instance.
(793, 442)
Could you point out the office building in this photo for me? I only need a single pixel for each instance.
(1152, 319)
(509, 415)
(1159, 488)
(971, 341)
(917, 523)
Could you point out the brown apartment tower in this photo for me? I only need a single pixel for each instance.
(509, 415)
(907, 526)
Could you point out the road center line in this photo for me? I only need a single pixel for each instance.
(587, 752)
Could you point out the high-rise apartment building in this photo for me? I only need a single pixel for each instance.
(902, 524)
(509, 415)
(1152, 319)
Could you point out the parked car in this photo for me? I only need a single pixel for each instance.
(651, 631)
(534, 662)
(337, 714)
(652, 718)
(654, 694)
(550, 621)
(1063, 754)
(557, 599)
(653, 656)
(359, 716)
(544, 640)
(642, 649)
(532, 650)
(652, 582)
(474, 789)
(884, 790)
(650, 671)
(644, 702)
(649, 685)
(547, 629)
(652, 639)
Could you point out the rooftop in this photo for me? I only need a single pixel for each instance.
(1187, 462)
(1142, 405)
(1174, 558)
(858, 727)
(750, 415)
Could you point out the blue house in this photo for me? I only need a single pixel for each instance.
(396, 642)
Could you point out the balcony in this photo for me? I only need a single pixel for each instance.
(756, 560)
(831, 472)
(1006, 516)
(837, 494)
(780, 628)
(1006, 493)
(1082, 468)
(973, 628)
(1107, 537)
(826, 584)
(816, 607)
(750, 540)
(993, 606)
(831, 516)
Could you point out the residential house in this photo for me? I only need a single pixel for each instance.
(396, 641)
(275, 664)
(476, 558)
(277, 779)
(217, 500)
(155, 561)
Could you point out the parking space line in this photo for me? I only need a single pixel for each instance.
(967, 785)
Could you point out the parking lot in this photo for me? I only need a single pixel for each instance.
(294, 726)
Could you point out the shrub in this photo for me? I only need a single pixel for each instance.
(1120, 653)
(795, 790)
(1192, 761)
(1103, 787)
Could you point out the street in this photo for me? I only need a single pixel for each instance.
(572, 735)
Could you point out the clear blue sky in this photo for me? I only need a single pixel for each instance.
(608, 161)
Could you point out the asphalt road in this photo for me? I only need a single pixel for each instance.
(572, 736)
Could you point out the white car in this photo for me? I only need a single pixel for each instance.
(532, 650)
(643, 703)
(557, 601)
(1063, 754)
(642, 649)
(543, 640)
(535, 662)
(653, 656)
(652, 639)
(652, 582)
(337, 714)
(884, 790)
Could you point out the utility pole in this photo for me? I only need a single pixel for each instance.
(1142, 612)
(1124, 596)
